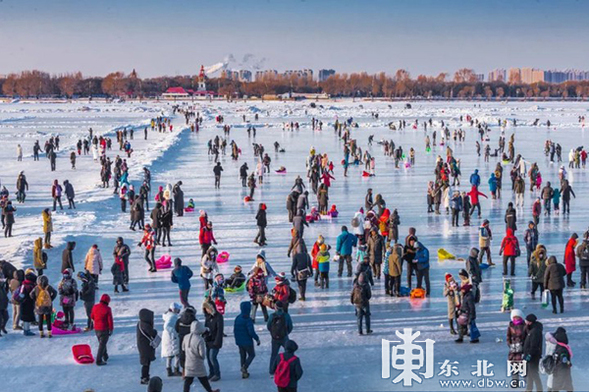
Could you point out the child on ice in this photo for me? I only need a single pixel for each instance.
(236, 279)
(171, 341)
(323, 261)
(117, 270)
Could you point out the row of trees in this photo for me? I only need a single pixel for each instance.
(464, 84)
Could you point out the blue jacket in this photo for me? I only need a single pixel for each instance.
(475, 179)
(182, 275)
(493, 183)
(456, 203)
(243, 328)
(422, 256)
(345, 243)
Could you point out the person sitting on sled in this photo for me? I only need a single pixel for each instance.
(236, 279)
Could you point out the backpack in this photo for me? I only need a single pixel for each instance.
(282, 374)
(547, 364)
(43, 299)
(292, 295)
(585, 252)
(358, 295)
(278, 329)
(16, 298)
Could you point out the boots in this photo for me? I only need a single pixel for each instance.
(177, 372)
(452, 330)
(170, 373)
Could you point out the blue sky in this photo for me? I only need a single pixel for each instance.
(169, 37)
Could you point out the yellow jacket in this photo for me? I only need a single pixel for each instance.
(47, 222)
(38, 254)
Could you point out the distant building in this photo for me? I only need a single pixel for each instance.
(304, 73)
(514, 75)
(175, 92)
(324, 74)
(202, 83)
(269, 73)
(498, 75)
(245, 76)
(480, 77)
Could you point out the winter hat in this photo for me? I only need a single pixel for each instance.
(177, 262)
(105, 299)
(262, 255)
(155, 385)
(280, 278)
(448, 277)
(474, 252)
(320, 239)
(219, 277)
(67, 273)
(531, 318)
(463, 273)
(237, 269)
(208, 307)
(175, 307)
(517, 313)
(323, 247)
(279, 305)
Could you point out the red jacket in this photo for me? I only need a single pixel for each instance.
(148, 239)
(474, 195)
(314, 251)
(102, 315)
(510, 244)
(569, 256)
(206, 236)
(537, 208)
(282, 292)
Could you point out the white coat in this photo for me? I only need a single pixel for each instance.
(170, 340)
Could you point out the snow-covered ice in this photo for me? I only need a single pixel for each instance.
(333, 356)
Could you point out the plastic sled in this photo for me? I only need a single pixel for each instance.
(247, 199)
(82, 354)
(404, 291)
(223, 257)
(236, 289)
(428, 149)
(366, 174)
(407, 165)
(417, 293)
(280, 171)
(164, 262)
(332, 214)
(484, 266)
(443, 254)
(58, 331)
(189, 209)
(220, 306)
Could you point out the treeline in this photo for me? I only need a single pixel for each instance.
(462, 85)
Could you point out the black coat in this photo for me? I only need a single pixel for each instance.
(156, 217)
(214, 337)
(300, 261)
(261, 218)
(178, 199)
(145, 334)
(534, 340)
(183, 328)
(67, 258)
(88, 291)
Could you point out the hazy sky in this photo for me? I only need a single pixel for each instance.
(171, 37)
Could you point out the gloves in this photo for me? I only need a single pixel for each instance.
(139, 244)
(259, 343)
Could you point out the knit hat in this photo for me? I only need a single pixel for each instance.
(262, 255)
(175, 307)
(463, 273)
(448, 277)
(280, 278)
(531, 318)
(237, 268)
(323, 247)
(517, 313)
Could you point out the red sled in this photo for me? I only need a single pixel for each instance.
(82, 354)
(247, 199)
(366, 174)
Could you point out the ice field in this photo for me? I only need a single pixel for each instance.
(333, 356)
